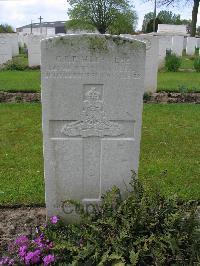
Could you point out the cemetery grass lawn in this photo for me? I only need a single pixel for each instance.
(187, 62)
(170, 151)
(21, 164)
(12, 81)
(172, 81)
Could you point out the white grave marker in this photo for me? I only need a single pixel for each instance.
(151, 64)
(177, 45)
(14, 43)
(191, 44)
(34, 50)
(5, 48)
(172, 29)
(165, 43)
(92, 97)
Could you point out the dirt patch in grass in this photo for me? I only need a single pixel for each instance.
(172, 97)
(159, 97)
(15, 97)
(18, 221)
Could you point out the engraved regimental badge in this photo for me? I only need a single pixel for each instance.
(94, 121)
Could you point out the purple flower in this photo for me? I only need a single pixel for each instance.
(54, 219)
(48, 260)
(22, 251)
(33, 257)
(6, 261)
(22, 241)
(43, 243)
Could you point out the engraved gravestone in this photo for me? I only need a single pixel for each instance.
(92, 96)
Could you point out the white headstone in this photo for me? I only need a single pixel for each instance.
(165, 43)
(184, 43)
(34, 50)
(14, 43)
(191, 44)
(177, 45)
(92, 97)
(151, 64)
(5, 48)
(172, 29)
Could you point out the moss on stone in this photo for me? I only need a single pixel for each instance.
(97, 43)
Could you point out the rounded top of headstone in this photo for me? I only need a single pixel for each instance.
(95, 41)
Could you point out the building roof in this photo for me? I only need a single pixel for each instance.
(52, 24)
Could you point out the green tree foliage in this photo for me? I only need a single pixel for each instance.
(5, 28)
(163, 17)
(113, 16)
(180, 3)
(150, 25)
(149, 16)
(167, 17)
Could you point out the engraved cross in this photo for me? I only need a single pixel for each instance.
(93, 126)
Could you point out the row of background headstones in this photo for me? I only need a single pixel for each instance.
(156, 47)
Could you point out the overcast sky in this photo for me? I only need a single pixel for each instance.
(21, 12)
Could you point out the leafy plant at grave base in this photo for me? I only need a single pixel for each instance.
(143, 229)
(172, 62)
(183, 89)
(197, 64)
(147, 96)
(19, 62)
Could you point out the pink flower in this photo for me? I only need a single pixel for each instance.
(48, 259)
(54, 219)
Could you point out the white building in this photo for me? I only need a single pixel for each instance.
(45, 28)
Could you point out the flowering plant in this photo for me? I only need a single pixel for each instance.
(36, 251)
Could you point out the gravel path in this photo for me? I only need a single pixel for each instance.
(18, 221)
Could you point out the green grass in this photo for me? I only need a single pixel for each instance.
(170, 151)
(172, 81)
(21, 164)
(20, 80)
(187, 62)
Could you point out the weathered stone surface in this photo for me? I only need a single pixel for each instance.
(92, 90)
(34, 50)
(151, 64)
(5, 48)
(177, 45)
(191, 44)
